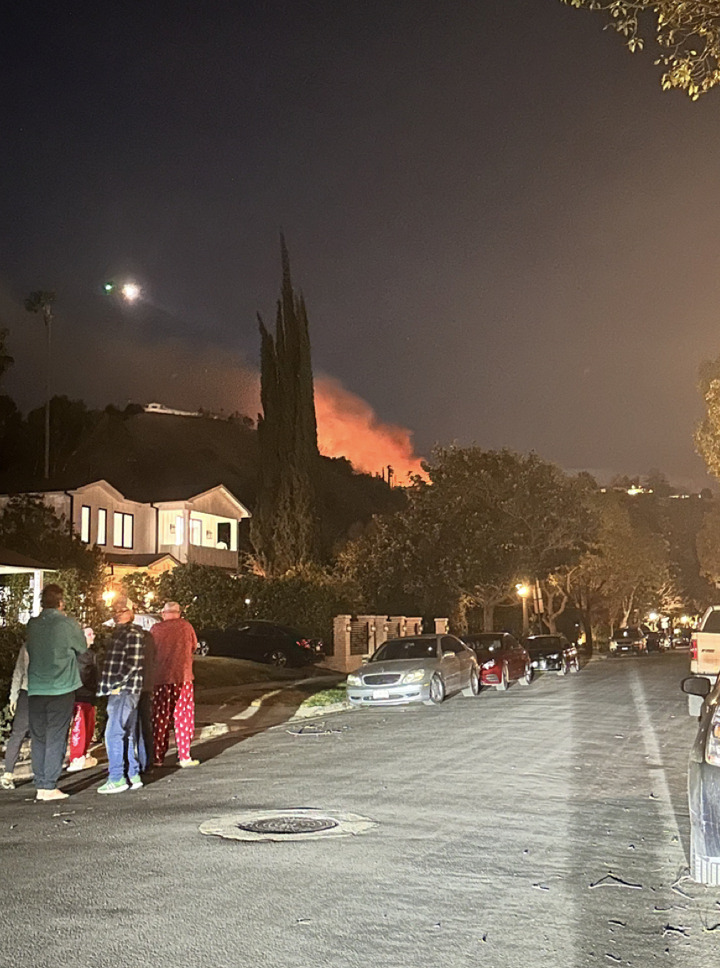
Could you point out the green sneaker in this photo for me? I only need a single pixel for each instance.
(136, 782)
(114, 786)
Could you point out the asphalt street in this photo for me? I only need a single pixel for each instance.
(546, 826)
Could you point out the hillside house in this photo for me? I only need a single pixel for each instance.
(184, 527)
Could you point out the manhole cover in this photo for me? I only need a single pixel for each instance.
(286, 825)
(289, 825)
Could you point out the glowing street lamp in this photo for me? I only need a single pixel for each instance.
(653, 616)
(523, 591)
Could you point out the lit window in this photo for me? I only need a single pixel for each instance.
(85, 524)
(122, 530)
(102, 526)
(195, 531)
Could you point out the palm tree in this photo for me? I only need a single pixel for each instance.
(42, 301)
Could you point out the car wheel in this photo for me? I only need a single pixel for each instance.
(528, 677)
(278, 658)
(503, 684)
(474, 686)
(202, 648)
(437, 691)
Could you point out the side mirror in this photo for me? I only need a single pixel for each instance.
(696, 686)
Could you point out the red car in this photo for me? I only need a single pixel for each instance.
(502, 659)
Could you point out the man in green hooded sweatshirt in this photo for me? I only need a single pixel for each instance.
(54, 641)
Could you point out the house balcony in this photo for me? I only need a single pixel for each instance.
(218, 557)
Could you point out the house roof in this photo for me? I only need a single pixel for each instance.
(139, 561)
(11, 559)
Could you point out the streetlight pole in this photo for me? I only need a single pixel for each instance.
(42, 301)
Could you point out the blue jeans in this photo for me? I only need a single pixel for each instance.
(120, 735)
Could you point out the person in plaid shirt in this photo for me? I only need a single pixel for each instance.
(121, 681)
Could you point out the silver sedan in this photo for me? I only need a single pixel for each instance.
(421, 668)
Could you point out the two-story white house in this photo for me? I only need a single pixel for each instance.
(154, 535)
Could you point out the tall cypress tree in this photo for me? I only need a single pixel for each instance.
(284, 525)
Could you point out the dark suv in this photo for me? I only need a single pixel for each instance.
(629, 641)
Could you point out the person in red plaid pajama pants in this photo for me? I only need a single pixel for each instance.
(173, 697)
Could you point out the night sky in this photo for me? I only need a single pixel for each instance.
(505, 231)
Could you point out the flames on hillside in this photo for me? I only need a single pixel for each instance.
(349, 427)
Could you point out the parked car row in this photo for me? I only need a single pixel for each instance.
(428, 668)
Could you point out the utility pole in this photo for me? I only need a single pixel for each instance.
(36, 302)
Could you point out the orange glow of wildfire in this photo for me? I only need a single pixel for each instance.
(349, 427)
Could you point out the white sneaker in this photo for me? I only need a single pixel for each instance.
(7, 782)
(186, 763)
(77, 764)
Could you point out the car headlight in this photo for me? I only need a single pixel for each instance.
(415, 676)
(353, 680)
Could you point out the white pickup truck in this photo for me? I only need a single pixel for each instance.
(705, 653)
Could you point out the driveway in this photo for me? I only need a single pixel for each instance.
(546, 826)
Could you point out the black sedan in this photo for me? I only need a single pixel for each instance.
(552, 653)
(262, 641)
(704, 784)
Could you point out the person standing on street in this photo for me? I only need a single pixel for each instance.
(21, 724)
(83, 724)
(121, 681)
(54, 641)
(175, 644)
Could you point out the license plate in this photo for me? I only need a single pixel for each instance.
(381, 694)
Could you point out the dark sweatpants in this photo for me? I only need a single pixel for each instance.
(50, 718)
(20, 729)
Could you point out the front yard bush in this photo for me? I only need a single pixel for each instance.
(307, 599)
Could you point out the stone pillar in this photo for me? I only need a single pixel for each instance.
(397, 622)
(441, 626)
(342, 660)
(413, 626)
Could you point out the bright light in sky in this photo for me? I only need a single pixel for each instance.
(130, 291)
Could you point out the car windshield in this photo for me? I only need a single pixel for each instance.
(406, 649)
(543, 642)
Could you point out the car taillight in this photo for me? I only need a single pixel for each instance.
(712, 744)
(693, 647)
(304, 643)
